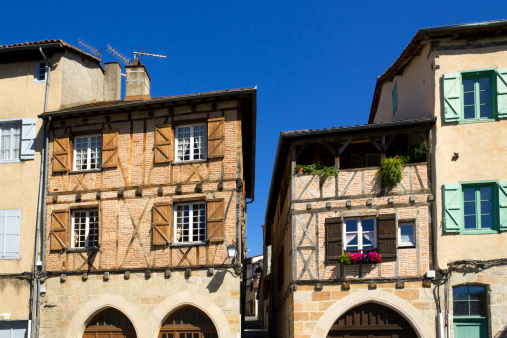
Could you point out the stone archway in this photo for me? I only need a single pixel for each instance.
(179, 300)
(110, 323)
(93, 307)
(401, 306)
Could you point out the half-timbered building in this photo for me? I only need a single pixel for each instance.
(317, 221)
(146, 200)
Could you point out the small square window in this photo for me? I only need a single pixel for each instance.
(360, 234)
(41, 72)
(190, 220)
(85, 229)
(191, 142)
(87, 152)
(406, 234)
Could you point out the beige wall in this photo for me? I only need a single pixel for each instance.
(82, 81)
(481, 157)
(415, 91)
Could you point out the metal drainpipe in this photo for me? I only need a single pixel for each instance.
(41, 213)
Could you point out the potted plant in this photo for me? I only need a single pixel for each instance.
(360, 258)
(391, 169)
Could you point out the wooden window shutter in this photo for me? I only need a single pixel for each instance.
(216, 220)
(110, 142)
(163, 144)
(216, 137)
(502, 205)
(501, 88)
(61, 154)
(161, 226)
(60, 230)
(453, 211)
(334, 241)
(387, 245)
(451, 83)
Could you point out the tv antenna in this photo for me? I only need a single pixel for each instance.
(91, 49)
(149, 54)
(122, 58)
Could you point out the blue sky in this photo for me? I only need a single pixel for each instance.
(315, 62)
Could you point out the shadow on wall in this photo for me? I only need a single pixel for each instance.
(216, 281)
(501, 334)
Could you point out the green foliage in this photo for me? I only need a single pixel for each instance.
(345, 259)
(322, 171)
(390, 171)
(417, 152)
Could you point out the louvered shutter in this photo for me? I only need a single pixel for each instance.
(387, 247)
(163, 144)
(110, 142)
(451, 83)
(12, 232)
(501, 88)
(60, 228)
(453, 211)
(28, 133)
(334, 241)
(215, 224)
(161, 226)
(61, 154)
(502, 205)
(216, 137)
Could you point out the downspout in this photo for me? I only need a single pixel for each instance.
(41, 214)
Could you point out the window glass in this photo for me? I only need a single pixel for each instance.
(191, 143)
(406, 234)
(478, 207)
(85, 224)
(87, 152)
(469, 301)
(476, 96)
(360, 234)
(190, 222)
(10, 141)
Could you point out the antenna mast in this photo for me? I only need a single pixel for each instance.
(148, 54)
(91, 49)
(122, 58)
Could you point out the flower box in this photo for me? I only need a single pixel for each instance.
(360, 258)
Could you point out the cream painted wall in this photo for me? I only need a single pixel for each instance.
(82, 81)
(415, 91)
(482, 156)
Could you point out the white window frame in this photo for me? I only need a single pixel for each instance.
(37, 71)
(191, 140)
(87, 228)
(360, 233)
(12, 122)
(404, 244)
(191, 222)
(88, 153)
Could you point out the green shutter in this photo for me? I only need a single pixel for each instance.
(501, 89)
(502, 205)
(453, 211)
(451, 83)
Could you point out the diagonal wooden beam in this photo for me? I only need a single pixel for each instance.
(305, 227)
(331, 149)
(349, 183)
(306, 187)
(306, 264)
(342, 149)
(375, 143)
(79, 182)
(391, 141)
(135, 234)
(184, 256)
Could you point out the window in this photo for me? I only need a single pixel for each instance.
(14, 328)
(475, 207)
(191, 143)
(85, 229)
(470, 311)
(395, 98)
(190, 220)
(87, 152)
(10, 141)
(360, 234)
(10, 227)
(474, 95)
(406, 234)
(364, 160)
(41, 72)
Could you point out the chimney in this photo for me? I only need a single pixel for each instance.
(112, 81)
(137, 84)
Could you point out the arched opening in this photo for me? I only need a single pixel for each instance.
(110, 323)
(371, 320)
(188, 322)
(470, 311)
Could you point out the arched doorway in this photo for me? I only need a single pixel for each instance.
(371, 320)
(110, 323)
(188, 322)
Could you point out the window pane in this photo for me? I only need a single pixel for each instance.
(468, 85)
(352, 240)
(368, 239)
(486, 221)
(351, 225)
(468, 99)
(469, 112)
(469, 194)
(484, 83)
(460, 308)
(485, 111)
(486, 207)
(16, 140)
(485, 97)
(469, 208)
(470, 222)
(478, 308)
(485, 193)
(368, 224)
(477, 292)
(407, 233)
(460, 293)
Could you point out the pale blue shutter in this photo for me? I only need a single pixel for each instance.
(452, 201)
(13, 328)
(28, 134)
(501, 91)
(502, 205)
(12, 231)
(451, 83)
